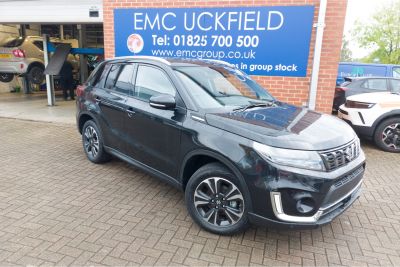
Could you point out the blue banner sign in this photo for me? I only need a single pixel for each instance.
(271, 41)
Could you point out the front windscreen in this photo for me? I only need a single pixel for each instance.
(213, 87)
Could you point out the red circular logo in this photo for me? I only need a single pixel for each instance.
(135, 43)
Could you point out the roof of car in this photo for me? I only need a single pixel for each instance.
(175, 62)
(349, 79)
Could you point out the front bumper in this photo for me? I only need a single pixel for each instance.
(333, 192)
(322, 216)
(356, 120)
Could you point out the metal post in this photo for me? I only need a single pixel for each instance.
(320, 25)
(83, 70)
(62, 32)
(49, 81)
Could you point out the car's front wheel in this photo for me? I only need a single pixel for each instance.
(93, 143)
(216, 201)
(387, 135)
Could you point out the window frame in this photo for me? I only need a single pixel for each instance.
(155, 67)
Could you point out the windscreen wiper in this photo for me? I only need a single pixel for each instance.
(254, 105)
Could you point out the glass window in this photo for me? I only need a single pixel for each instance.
(396, 72)
(112, 76)
(375, 84)
(152, 81)
(94, 77)
(213, 87)
(124, 81)
(38, 44)
(395, 85)
(13, 42)
(100, 79)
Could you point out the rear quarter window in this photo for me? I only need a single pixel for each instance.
(112, 76)
(100, 78)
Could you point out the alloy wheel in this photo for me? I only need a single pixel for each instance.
(219, 202)
(91, 141)
(391, 136)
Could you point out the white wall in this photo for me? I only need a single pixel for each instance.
(50, 11)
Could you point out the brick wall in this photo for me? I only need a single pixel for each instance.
(289, 89)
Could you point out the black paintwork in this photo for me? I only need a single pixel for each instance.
(166, 142)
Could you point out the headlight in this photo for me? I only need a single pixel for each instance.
(309, 160)
(356, 104)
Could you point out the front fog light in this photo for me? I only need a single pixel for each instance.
(305, 205)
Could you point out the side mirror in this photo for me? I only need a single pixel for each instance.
(162, 101)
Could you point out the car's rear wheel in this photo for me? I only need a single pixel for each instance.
(387, 135)
(93, 143)
(216, 201)
(6, 77)
(36, 75)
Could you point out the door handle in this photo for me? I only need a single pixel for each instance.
(130, 112)
(98, 99)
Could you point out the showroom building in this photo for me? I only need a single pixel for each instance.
(291, 47)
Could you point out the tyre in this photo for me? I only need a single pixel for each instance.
(6, 77)
(216, 201)
(36, 75)
(387, 135)
(93, 143)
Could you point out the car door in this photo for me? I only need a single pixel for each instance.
(111, 106)
(154, 133)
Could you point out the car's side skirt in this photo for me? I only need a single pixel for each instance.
(166, 178)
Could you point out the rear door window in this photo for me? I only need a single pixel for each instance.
(375, 84)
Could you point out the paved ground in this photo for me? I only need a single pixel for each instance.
(34, 107)
(57, 208)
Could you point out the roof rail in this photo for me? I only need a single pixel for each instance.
(218, 61)
(146, 57)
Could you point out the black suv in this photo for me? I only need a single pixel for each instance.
(207, 128)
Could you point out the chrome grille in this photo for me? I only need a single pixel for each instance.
(339, 157)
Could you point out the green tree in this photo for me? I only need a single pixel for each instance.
(382, 35)
(346, 55)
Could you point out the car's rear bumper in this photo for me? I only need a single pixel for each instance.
(18, 67)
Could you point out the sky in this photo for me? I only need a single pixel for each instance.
(360, 10)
